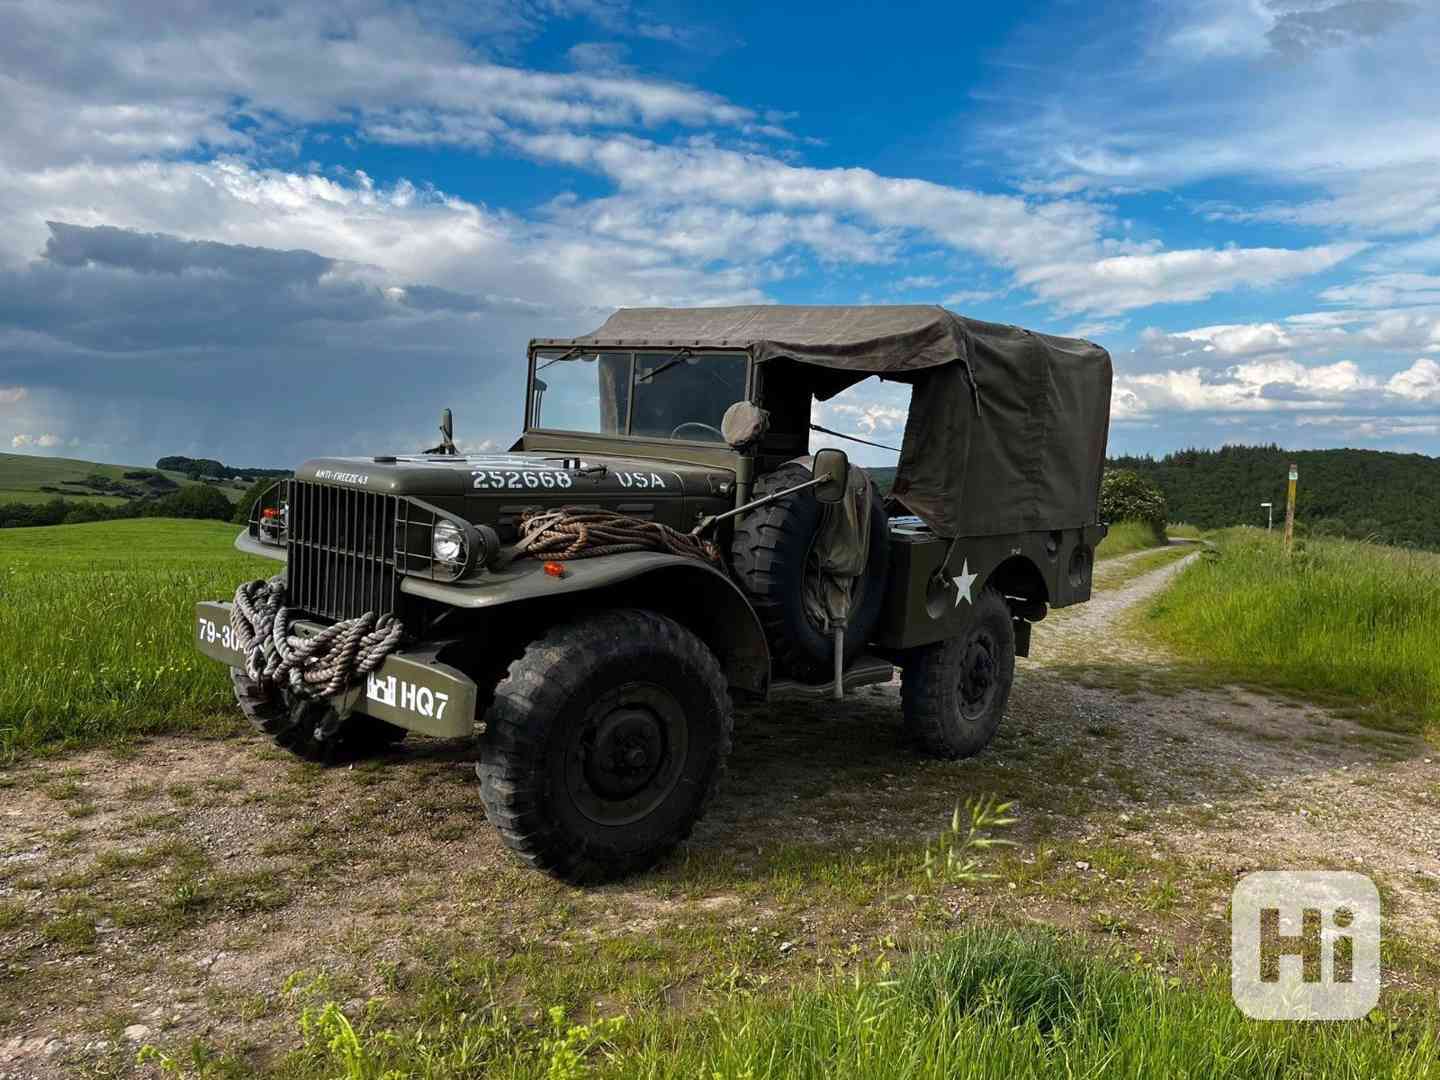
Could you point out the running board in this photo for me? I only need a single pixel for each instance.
(865, 671)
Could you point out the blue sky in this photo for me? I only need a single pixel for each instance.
(268, 232)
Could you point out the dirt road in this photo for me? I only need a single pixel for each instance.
(167, 894)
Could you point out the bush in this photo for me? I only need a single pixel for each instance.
(247, 501)
(196, 501)
(1128, 496)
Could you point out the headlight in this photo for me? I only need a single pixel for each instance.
(447, 543)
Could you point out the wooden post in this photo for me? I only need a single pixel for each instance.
(1290, 507)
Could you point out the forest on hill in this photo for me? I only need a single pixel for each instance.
(1361, 494)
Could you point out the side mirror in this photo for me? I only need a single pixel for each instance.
(832, 468)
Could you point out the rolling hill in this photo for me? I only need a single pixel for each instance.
(30, 478)
(1360, 494)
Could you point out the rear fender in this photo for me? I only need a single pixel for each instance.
(691, 592)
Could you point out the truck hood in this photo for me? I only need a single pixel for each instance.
(570, 477)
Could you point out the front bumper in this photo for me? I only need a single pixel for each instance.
(412, 689)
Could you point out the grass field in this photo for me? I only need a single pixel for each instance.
(1125, 537)
(95, 647)
(983, 1004)
(1339, 620)
(22, 476)
(95, 629)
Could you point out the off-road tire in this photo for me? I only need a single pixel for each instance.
(292, 725)
(768, 556)
(943, 712)
(553, 742)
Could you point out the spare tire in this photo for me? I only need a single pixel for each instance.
(769, 557)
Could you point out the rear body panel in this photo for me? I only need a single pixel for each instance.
(923, 606)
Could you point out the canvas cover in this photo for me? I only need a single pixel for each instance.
(1007, 427)
(841, 553)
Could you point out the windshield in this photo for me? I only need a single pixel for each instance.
(656, 395)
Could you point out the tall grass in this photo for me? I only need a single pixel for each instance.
(1127, 536)
(985, 1004)
(96, 629)
(1354, 620)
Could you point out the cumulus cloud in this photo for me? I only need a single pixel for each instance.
(1419, 382)
(1277, 385)
(164, 254)
(10, 395)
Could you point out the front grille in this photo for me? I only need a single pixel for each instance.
(342, 551)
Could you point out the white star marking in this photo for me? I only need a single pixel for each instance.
(963, 581)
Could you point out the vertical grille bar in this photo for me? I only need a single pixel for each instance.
(342, 551)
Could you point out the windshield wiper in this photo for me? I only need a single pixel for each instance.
(680, 358)
(570, 355)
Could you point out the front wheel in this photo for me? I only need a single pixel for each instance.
(954, 692)
(309, 729)
(604, 743)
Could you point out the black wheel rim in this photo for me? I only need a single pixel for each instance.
(626, 755)
(979, 675)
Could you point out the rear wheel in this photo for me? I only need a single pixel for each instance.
(604, 744)
(309, 729)
(954, 692)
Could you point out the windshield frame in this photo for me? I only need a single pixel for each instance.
(633, 351)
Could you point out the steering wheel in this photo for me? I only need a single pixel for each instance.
(675, 432)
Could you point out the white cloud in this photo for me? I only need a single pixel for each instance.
(20, 441)
(1386, 290)
(1419, 382)
(1004, 229)
(1280, 386)
(93, 82)
(1331, 101)
(48, 440)
(9, 395)
(1125, 282)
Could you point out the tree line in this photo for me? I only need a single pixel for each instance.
(1360, 494)
(194, 501)
(198, 468)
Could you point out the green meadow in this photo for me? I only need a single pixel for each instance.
(95, 630)
(986, 1003)
(1341, 621)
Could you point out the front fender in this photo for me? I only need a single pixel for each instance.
(691, 592)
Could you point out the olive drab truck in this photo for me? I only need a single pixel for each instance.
(660, 543)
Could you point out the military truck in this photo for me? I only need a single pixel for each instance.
(599, 690)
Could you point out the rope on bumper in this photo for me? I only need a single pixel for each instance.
(313, 667)
(573, 532)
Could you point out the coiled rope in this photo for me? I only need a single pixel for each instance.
(573, 532)
(313, 667)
